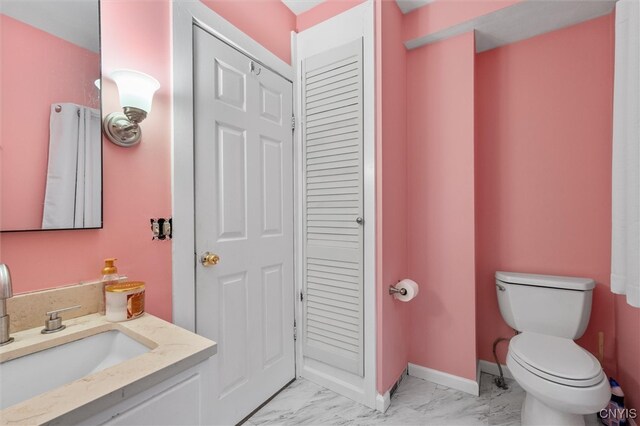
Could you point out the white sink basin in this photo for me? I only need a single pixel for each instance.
(25, 377)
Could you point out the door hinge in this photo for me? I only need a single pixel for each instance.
(293, 122)
(295, 331)
(301, 296)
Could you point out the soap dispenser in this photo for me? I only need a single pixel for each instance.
(109, 276)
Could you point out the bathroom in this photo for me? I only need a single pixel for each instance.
(485, 137)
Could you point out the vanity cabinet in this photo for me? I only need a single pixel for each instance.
(143, 372)
(179, 400)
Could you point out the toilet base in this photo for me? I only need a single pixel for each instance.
(536, 413)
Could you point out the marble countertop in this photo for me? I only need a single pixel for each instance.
(173, 350)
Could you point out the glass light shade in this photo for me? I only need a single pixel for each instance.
(136, 89)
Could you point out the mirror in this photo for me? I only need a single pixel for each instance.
(50, 132)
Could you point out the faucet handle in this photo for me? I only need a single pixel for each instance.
(54, 314)
(6, 291)
(54, 322)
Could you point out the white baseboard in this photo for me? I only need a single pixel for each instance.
(445, 379)
(383, 402)
(492, 368)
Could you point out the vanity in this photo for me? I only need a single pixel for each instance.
(145, 371)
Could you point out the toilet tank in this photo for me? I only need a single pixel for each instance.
(545, 304)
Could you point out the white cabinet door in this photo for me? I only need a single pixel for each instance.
(178, 400)
(333, 207)
(244, 214)
(178, 404)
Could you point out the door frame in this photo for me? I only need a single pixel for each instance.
(186, 13)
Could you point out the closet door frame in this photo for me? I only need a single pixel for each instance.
(357, 22)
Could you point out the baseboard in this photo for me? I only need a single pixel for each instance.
(492, 368)
(383, 402)
(445, 379)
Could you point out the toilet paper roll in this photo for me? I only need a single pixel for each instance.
(410, 286)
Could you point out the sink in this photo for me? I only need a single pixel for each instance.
(30, 375)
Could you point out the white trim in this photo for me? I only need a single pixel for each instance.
(185, 14)
(383, 402)
(297, 198)
(354, 23)
(492, 368)
(445, 379)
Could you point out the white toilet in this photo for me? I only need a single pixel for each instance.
(562, 381)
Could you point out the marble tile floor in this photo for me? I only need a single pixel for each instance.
(415, 402)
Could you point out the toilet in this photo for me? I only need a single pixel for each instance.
(562, 381)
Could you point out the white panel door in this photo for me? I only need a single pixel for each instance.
(333, 207)
(244, 214)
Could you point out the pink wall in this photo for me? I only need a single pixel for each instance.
(325, 10)
(442, 14)
(440, 250)
(440, 205)
(393, 343)
(40, 70)
(543, 170)
(136, 180)
(269, 22)
(628, 351)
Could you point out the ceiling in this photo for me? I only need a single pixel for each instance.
(408, 5)
(301, 6)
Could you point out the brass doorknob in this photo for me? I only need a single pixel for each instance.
(209, 259)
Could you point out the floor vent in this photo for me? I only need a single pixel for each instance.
(397, 383)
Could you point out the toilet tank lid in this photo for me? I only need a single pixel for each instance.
(553, 281)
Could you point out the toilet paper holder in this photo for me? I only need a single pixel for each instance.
(393, 290)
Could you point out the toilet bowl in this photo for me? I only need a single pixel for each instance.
(563, 382)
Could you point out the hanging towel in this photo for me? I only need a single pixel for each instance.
(625, 241)
(74, 175)
(88, 204)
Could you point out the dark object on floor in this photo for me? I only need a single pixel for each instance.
(614, 414)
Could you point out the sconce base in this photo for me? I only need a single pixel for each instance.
(121, 131)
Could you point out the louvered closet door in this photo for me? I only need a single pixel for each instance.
(333, 207)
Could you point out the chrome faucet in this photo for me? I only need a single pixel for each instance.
(6, 291)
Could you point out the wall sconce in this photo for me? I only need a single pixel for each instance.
(136, 93)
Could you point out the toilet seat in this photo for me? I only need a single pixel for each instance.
(556, 359)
